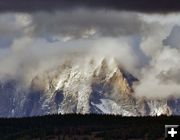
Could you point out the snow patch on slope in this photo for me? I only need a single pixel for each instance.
(108, 106)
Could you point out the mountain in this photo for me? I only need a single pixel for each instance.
(88, 86)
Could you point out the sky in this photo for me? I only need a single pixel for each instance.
(143, 35)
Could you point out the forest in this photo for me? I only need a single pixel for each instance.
(89, 126)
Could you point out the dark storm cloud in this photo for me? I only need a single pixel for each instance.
(129, 5)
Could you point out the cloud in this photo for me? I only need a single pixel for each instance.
(161, 77)
(11, 27)
(79, 23)
(150, 6)
(8, 26)
(86, 23)
(143, 44)
(29, 57)
(118, 48)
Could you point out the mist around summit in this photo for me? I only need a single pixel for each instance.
(84, 60)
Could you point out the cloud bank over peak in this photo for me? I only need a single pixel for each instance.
(146, 45)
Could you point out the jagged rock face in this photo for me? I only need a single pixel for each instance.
(87, 87)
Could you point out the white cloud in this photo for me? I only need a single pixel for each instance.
(94, 33)
(158, 79)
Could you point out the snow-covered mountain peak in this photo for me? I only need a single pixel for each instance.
(88, 85)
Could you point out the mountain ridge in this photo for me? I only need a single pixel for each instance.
(88, 87)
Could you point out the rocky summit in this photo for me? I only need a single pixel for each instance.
(88, 86)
